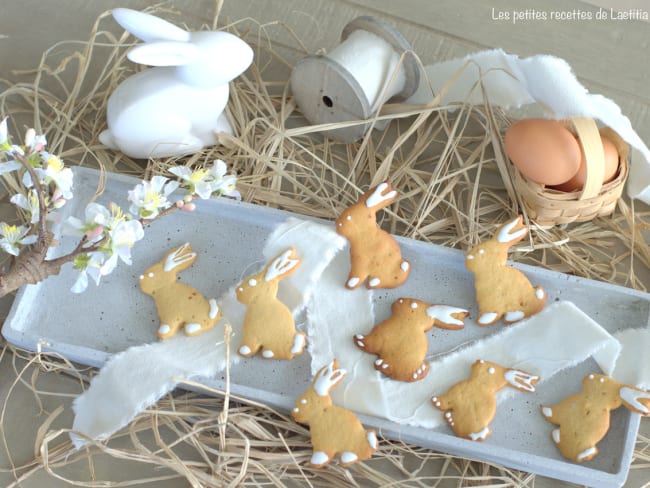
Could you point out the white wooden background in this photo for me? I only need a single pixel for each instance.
(610, 57)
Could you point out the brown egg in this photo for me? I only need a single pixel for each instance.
(611, 168)
(543, 150)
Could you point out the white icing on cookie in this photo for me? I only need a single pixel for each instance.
(192, 328)
(377, 198)
(352, 282)
(214, 308)
(443, 313)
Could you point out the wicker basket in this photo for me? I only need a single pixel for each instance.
(547, 206)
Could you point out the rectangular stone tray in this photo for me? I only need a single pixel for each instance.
(229, 237)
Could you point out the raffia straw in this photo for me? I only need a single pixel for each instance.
(450, 168)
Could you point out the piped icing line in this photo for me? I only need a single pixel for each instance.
(136, 378)
(541, 345)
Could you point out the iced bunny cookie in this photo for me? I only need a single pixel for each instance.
(400, 341)
(470, 406)
(335, 431)
(268, 323)
(374, 254)
(179, 305)
(583, 418)
(501, 290)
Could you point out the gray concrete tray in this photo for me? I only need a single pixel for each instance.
(229, 237)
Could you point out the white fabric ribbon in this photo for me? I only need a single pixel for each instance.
(511, 82)
(134, 379)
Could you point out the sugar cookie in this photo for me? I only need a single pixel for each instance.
(335, 431)
(501, 290)
(470, 406)
(268, 323)
(583, 418)
(179, 305)
(400, 341)
(375, 255)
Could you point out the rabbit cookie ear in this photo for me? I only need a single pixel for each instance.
(164, 53)
(636, 400)
(512, 231)
(149, 27)
(180, 258)
(282, 266)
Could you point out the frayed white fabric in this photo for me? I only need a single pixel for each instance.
(633, 363)
(334, 314)
(138, 377)
(542, 345)
(510, 82)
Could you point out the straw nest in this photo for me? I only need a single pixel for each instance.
(455, 189)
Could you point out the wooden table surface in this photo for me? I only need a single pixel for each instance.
(609, 56)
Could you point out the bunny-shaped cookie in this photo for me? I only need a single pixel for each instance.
(179, 305)
(583, 418)
(400, 341)
(375, 255)
(336, 432)
(177, 107)
(501, 290)
(268, 323)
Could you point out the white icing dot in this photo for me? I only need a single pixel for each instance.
(142, 277)
(414, 305)
(481, 361)
(481, 251)
(374, 282)
(438, 404)
(241, 289)
(348, 457)
(358, 336)
(192, 328)
(354, 281)
(267, 354)
(214, 308)
(539, 293)
(586, 453)
(602, 380)
(401, 301)
(404, 266)
(296, 409)
(303, 401)
(379, 361)
(434, 399)
(470, 256)
(164, 329)
(319, 457)
(487, 318)
(591, 376)
(372, 439)
(252, 282)
(150, 275)
(556, 435)
(491, 370)
(384, 366)
(348, 217)
(415, 375)
(340, 224)
(245, 350)
(547, 411)
(514, 316)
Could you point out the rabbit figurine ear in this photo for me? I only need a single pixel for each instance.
(164, 53)
(149, 27)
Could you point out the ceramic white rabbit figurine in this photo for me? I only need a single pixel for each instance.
(177, 107)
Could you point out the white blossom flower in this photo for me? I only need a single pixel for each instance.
(150, 197)
(55, 171)
(122, 238)
(198, 181)
(15, 236)
(208, 182)
(97, 217)
(33, 141)
(28, 203)
(223, 184)
(89, 266)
